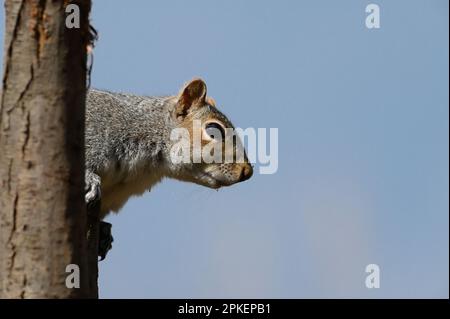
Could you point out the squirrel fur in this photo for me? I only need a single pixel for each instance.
(127, 144)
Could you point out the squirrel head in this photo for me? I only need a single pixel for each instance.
(215, 155)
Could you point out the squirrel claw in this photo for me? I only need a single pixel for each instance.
(105, 239)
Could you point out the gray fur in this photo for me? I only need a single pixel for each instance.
(125, 129)
(125, 139)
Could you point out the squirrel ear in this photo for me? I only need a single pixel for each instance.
(193, 94)
(211, 101)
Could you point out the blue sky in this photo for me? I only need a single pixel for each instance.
(363, 149)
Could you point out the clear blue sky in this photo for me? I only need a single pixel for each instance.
(363, 148)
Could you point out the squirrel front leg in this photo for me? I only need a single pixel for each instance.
(92, 196)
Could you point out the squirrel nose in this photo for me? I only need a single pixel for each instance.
(246, 172)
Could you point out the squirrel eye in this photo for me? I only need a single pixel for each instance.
(213, 129)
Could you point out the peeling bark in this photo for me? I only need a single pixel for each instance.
(43, 223)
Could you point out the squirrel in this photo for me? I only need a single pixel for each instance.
(128, 146)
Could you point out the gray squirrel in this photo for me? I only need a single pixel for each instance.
(128, 144)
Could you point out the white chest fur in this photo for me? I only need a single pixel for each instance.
(118, 185)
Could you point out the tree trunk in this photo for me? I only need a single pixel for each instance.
(42, 211)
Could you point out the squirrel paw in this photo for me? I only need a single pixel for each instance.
(92, 188)
(105, 239)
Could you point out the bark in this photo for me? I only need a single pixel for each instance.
(42, 212)
(92, 249)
